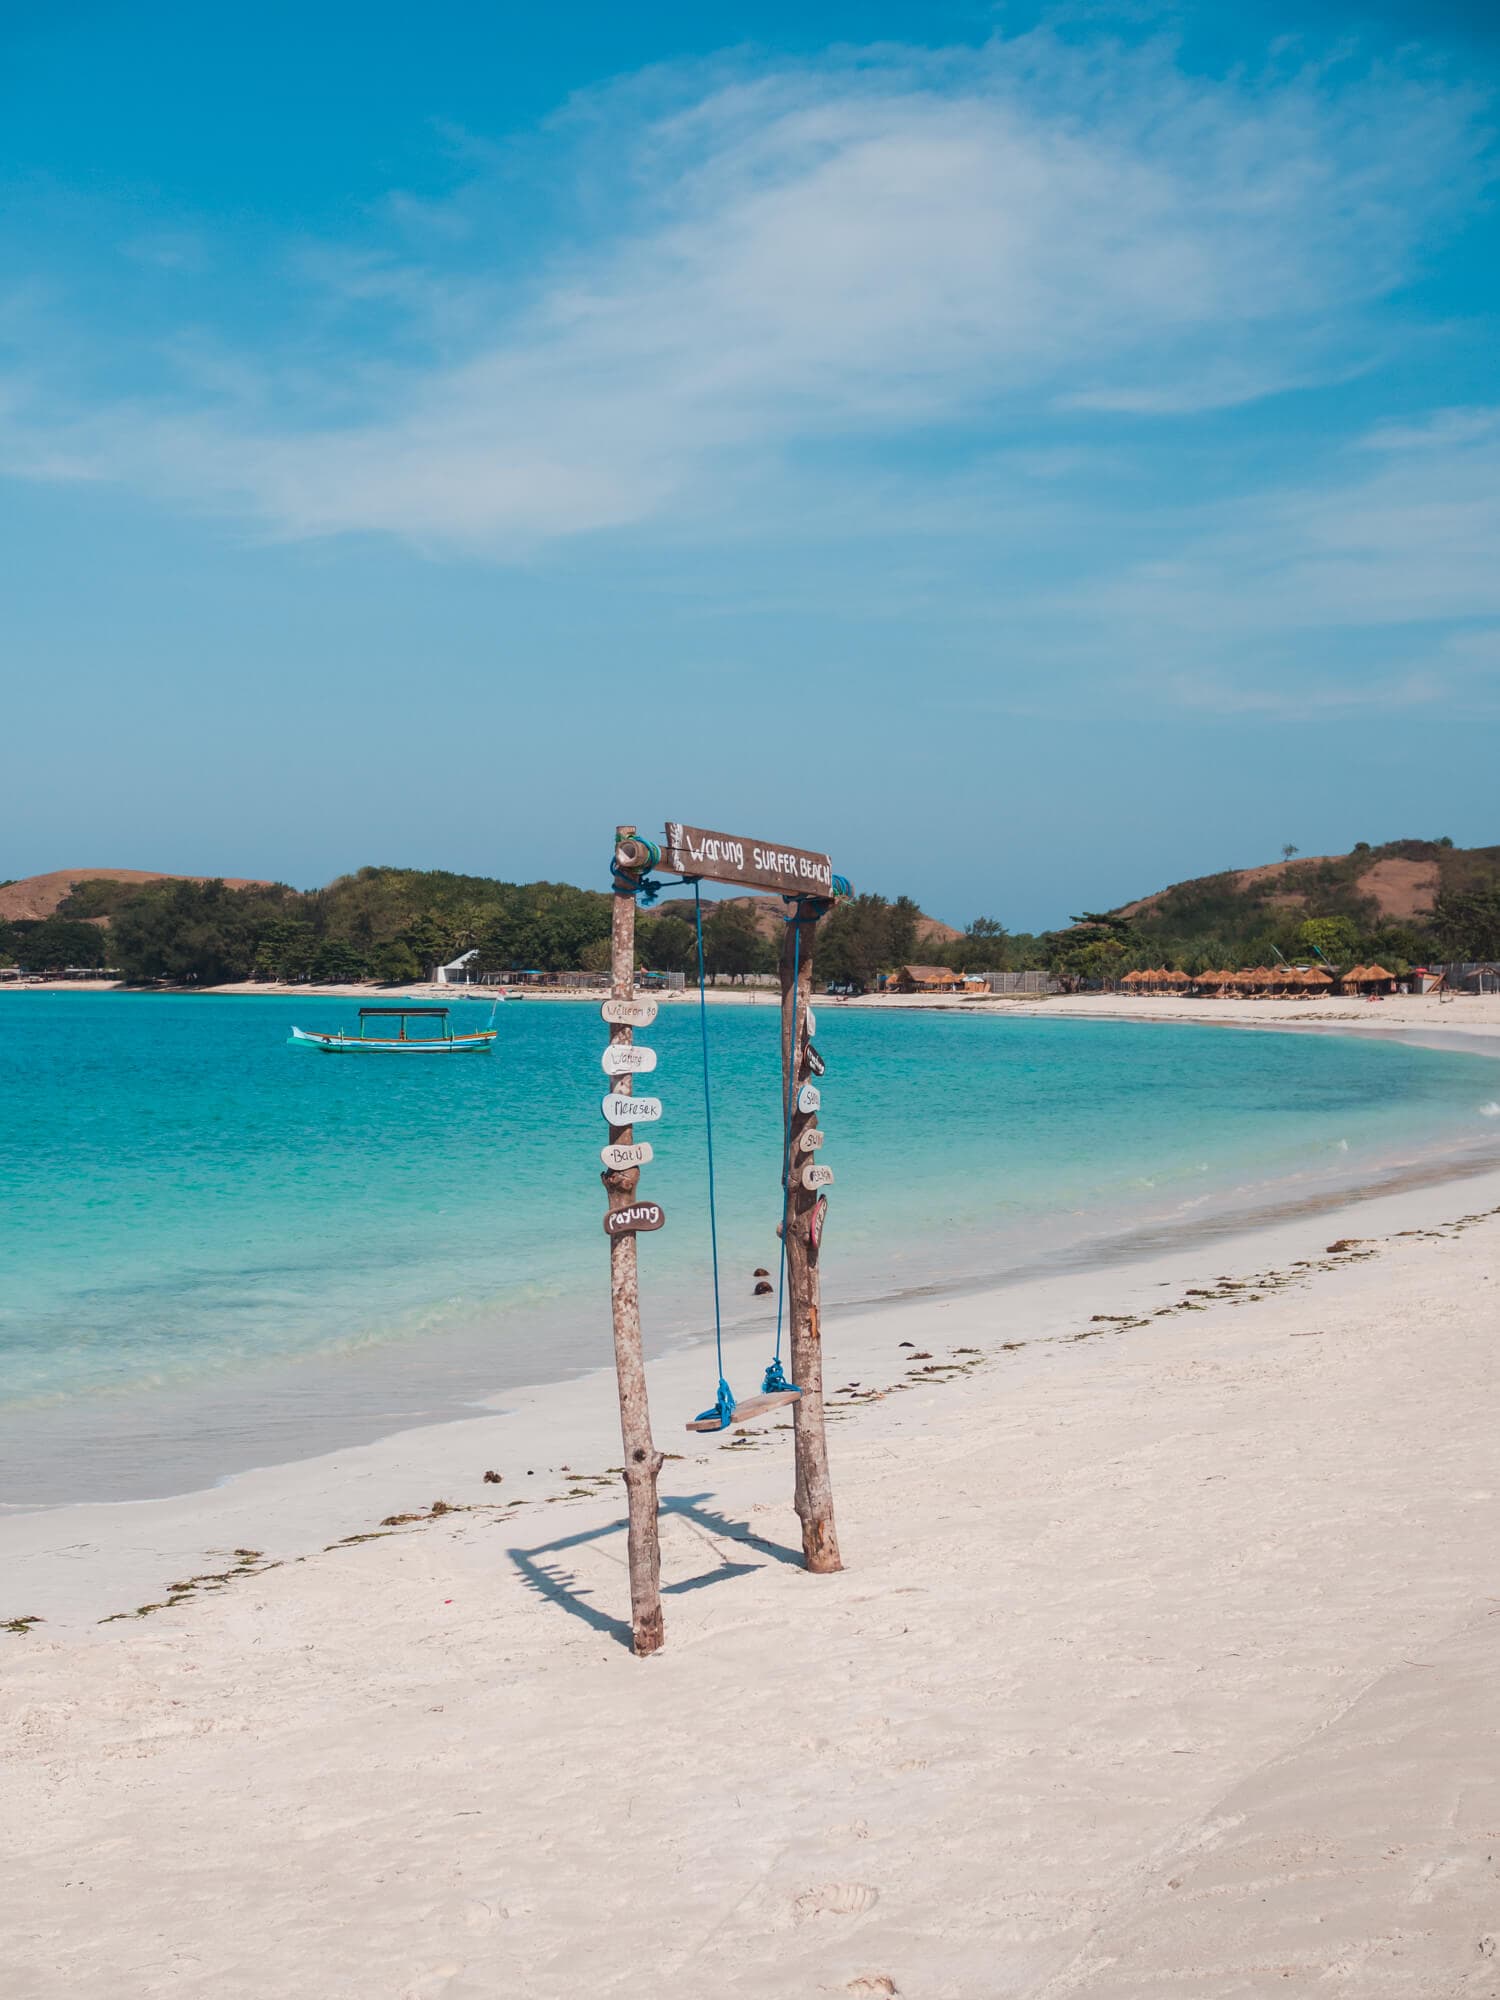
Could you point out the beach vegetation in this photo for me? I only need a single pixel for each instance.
(394, 925)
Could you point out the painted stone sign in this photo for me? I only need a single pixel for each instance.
(725, 857)
(627, 1058)
(618, 1158)
(809, 1097)
(631, 1110)
(813, 1060)
(640, 1216)
(816, 1176)
(810, 1140)
(629, 1013)
(816, 1220)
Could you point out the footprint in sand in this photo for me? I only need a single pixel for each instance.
(834, 1899)
(873, 1986)
(436, 1983)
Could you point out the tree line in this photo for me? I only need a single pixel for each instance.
(392, 925)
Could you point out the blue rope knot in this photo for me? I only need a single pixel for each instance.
(722, 1407)
(775, 1379)
(642, 887)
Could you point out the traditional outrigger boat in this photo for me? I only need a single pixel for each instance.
(443, 1043)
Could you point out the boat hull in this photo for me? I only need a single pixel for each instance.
(347, 1045)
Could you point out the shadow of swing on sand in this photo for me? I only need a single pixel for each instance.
(562, 1586)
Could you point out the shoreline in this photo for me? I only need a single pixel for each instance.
(1186, 1574)
(95, 1545)
(1091, 1253)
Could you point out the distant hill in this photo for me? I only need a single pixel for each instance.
(769, 912)
(1396, 883)
(40, 896)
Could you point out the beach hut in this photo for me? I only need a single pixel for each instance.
(1371, 980)
(924, 979)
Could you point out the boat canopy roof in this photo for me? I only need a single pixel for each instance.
(405, 1013)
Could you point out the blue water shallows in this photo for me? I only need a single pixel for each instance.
(197, 1218)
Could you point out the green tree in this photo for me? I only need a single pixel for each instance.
(336, 962)
(667, 944)
(1333, 938)
(1466, 924)
(57, 942)
(854, 943)
(901, 931)
(732, 943)
(394, 964)
(982, 948)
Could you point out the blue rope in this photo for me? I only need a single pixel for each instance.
(723, 1406)
(775, 1376)
(641, 887)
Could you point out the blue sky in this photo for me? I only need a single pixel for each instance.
(1035, 456)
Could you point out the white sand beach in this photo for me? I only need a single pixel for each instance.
(1162, 1663)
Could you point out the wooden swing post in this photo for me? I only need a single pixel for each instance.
(642, 1461)
(814, 1489)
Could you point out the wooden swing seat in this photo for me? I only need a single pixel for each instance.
(748, 1410)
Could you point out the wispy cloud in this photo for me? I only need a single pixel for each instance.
(886, 246)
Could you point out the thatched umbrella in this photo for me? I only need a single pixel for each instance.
(1356, 976)
(1376, 972)
(1317, 975)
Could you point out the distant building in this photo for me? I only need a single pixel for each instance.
(924, 979)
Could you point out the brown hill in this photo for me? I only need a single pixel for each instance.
(38, 896)
(768, 912)
(1396, 883)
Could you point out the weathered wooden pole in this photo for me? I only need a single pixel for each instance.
(814, 1489)
(643, 1462)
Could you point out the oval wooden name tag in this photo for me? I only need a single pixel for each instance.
(631, 1110)
(815, 1176)
(816, 1220)
(809, 1097)
(627, 1058)
(813, 1060)
(629, 1013)
(618, 1158)
(641, 1215)
(811, 1139)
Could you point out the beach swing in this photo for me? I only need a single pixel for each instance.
(775, 1390)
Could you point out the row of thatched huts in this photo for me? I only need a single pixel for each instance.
(1265, 981)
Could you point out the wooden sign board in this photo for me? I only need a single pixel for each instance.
(618, 1158)
(813, 1060)
(631, 1110)
(816, 1220)
(725, 857)
(632, 1221)
(809, 1097)
(815, 1176)
(629, 1013)
(627, 1058)
(810, 1139)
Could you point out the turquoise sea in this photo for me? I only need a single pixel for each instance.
(217, 1250)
